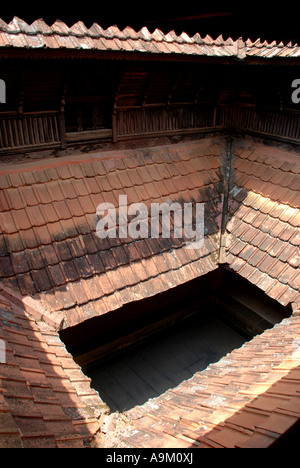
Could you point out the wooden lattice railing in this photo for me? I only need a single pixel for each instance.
(47, 129)
(29, 130)
(283, 124)
(168, 120)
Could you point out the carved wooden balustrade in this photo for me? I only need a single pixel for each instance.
(37, 130)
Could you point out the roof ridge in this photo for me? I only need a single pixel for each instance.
(172, 43)
(30, 305)
(228, 175)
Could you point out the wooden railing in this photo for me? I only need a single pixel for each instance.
(47, 129)
(134, 122)
(269, 122)
(283, 124)
(29, 130)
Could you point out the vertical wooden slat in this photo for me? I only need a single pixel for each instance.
(20, 131)
(30, 130)
(15, 132)
(36, 137)
(62, 130)
(26, 132)
(55, 127)
(10, 133)
(50, 120)
(2, 135)
(47, 137)
(41, 129)
(114, 127)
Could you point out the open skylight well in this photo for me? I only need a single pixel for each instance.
(151, 346)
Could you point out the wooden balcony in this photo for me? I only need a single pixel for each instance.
(38, 130)
(29, 130)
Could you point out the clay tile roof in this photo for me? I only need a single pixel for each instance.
(43, 393)
(247, 400)
(55, 273)
(58, 35)
(48, 228)
(264, 231)
(250, 397)
(49, 247)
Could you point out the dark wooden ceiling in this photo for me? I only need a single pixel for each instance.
(275, 22)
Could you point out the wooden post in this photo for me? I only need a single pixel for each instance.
(62, 130)
(215, 116)
(114, 126)
(62, 120)
(227, 162)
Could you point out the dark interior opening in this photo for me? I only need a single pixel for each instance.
(145, 348)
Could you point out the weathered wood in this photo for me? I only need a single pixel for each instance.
(62, 130)
(114, 127)
(108, 350)
(49, 128)
(88, 135)
(29, 130)
(150, 120)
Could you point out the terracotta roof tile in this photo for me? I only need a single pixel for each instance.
(274, 253)
(233, 403)
(22, 221)
(44, 194)
(49, 249)
(58, 35)
(35, 408)
(78, 193)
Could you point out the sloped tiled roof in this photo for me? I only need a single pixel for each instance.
(49, 247)
(50, 250)
(45, 399)
(55, 267)
(40, 35)
(264, 221)
(246, 400)
(251, 396)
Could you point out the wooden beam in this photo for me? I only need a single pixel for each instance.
(62, 118)
(98, 355)
(227, 165)
(114, 126)
(21, 92)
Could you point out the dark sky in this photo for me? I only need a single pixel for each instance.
(277, 20)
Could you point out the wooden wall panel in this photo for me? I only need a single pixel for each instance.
(50, 101)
